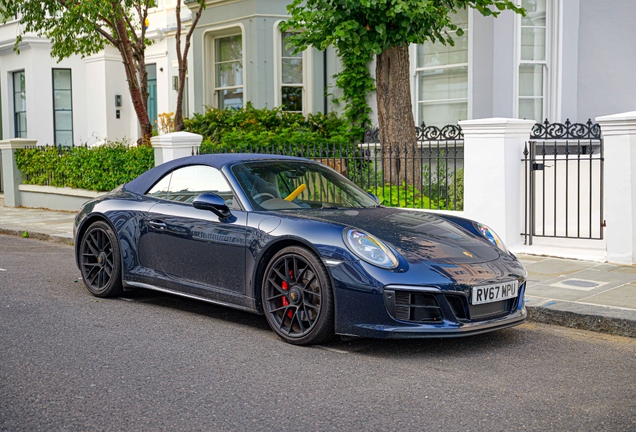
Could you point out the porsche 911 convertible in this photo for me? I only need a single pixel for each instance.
(298, 242)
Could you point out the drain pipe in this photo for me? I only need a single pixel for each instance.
(324, 79)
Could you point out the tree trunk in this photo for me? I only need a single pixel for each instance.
(182, 59)
(136, 76)
(144, 119)
(178, 117)
(401, 161)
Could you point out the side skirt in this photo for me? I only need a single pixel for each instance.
(190, 296)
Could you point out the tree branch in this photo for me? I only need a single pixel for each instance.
(132, 28)
(107, 36)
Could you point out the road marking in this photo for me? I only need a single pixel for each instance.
(3, 269)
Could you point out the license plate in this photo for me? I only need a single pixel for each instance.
(496, 292)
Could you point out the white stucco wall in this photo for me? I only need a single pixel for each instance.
(37, 64)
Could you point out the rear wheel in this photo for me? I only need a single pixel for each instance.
(297, 297)
(100, 260)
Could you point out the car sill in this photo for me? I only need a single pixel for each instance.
(190, 296)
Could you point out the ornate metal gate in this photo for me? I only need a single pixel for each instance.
(563, 167)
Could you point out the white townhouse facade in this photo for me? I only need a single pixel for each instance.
(565, 59)
(84, 100)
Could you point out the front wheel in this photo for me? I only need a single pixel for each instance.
(100, 261)
(297, 297)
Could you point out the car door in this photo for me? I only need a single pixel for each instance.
(194, 245)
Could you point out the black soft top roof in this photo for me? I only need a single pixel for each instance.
(144, 182)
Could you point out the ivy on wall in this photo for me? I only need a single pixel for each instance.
(356, 83)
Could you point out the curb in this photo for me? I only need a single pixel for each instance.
(39, 236)
(584, 320)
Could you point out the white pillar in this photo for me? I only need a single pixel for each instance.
(175, 145)
(12, 177)
(493, 174)
(619, 135)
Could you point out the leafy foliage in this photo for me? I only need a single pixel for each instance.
(401, 196)
(456, 190)
(409, 196)
(99, 168)
(250, 127)
(360, 29)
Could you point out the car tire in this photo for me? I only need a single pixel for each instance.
(100, 260)
(298, 298)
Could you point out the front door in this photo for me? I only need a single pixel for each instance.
(192, 245)
(151, 69)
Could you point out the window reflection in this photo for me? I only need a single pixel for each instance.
(185, 184)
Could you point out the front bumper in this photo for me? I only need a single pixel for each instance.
(369, 309)
(445, 330)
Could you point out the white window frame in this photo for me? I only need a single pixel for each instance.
(552, 69)
(14, 108)
(56, 109)
(210, 90)
(415, 84)
(307, 86)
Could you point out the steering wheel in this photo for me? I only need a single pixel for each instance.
(265, 195)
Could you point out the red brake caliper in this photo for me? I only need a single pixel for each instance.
(286, 287)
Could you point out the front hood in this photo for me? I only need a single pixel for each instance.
(418, 236)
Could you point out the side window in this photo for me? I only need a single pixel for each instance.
(160, 190)
(185, 184)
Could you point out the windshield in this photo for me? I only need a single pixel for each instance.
(286, 185)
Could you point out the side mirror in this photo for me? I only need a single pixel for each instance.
(213, 203)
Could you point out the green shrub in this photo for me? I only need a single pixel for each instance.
(99, 168)
(410, 197)
(400, 196)
(241, 129)
(456, 189)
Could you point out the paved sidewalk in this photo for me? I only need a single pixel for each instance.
(573, 293)
(39, 224)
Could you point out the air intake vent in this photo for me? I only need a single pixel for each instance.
(412, 306)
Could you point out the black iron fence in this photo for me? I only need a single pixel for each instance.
(46, 171)
(563, 167)
(425, 175)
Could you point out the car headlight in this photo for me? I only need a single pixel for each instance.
(491, 236)
(369, 249)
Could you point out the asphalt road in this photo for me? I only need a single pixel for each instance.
(146, 362)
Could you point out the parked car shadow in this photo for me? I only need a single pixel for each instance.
(210, 310)
(505, 339)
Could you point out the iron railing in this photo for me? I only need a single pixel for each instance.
(48, 174)
(564, 172)
(425, 175)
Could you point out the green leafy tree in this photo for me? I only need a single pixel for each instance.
(360, 29)
(85, 27)
(182, 56)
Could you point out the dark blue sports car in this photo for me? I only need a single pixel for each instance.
(298, 242)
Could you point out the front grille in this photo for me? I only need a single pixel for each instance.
(495, 309)
(412, 306)
(458, 306)
(490, 310)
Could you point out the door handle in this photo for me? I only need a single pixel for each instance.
(157, 224)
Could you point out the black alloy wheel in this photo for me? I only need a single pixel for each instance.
(100, 261)
(297, 297)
